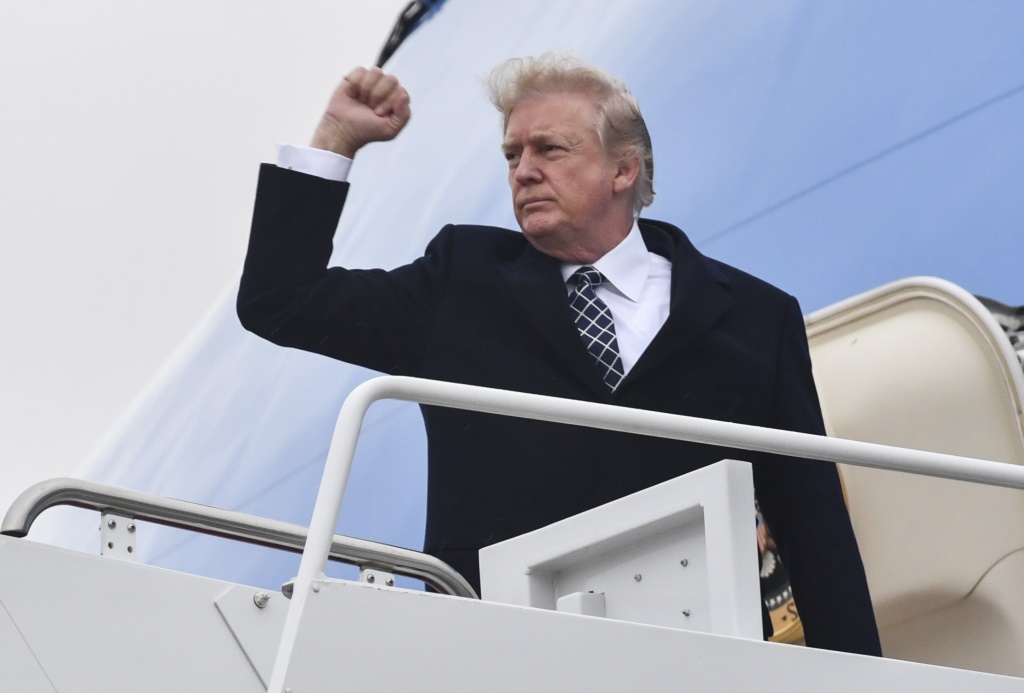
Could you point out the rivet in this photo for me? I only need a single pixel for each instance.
(370, 578)
(131, 549)
(390, 582)
(316, 587)
(131, 528)
(110, 544)
(638, 577)
(686, 612)
(111, 524)
(685, 562)
(261, 598)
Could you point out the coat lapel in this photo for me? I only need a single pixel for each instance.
(536, 282)
(698, 298)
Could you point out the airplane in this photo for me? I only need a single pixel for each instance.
(831, 149)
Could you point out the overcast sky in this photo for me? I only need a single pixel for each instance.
(130, 136)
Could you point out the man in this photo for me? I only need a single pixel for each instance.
(588, 302)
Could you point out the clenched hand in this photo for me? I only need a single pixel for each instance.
(367, 106)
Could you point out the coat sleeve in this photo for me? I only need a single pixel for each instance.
(287, 294)
(803, 504)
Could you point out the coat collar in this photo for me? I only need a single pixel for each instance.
(698, 300)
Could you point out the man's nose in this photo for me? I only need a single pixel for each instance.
(526, 170)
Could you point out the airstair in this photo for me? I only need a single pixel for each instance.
(939, 526)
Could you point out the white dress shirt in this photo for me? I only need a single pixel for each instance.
(637, 286)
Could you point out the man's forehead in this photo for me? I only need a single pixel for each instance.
(550, 114)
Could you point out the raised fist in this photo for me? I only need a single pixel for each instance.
(367, 106)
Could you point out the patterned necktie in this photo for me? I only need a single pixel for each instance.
(594, 321)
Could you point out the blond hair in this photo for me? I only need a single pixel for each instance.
(620, 126)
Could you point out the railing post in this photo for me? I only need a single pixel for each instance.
(325, 518)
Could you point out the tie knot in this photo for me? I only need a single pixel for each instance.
(589, 275)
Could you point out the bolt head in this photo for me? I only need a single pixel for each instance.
(261, 598)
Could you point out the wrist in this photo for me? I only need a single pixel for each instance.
(331, 136)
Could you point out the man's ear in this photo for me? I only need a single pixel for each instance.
(626, 173)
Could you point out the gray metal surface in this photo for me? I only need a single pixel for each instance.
(349, 641)
(79, 623)
(19, 669)
(96, 625)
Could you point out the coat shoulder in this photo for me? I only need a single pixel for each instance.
(480, 241)
(742, 285)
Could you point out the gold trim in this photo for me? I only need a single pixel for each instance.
(786, 622)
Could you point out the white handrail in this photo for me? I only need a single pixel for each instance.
(605, 416)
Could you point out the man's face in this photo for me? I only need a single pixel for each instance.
(567, 192)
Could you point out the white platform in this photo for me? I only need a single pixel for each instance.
(76, 623)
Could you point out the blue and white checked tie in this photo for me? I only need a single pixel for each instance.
(594, 321)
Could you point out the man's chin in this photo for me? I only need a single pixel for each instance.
(535, 228)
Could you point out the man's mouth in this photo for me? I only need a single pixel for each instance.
(533, 202)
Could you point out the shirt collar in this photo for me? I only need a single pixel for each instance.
(626, 266)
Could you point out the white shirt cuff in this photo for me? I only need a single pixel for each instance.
(315, 162)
